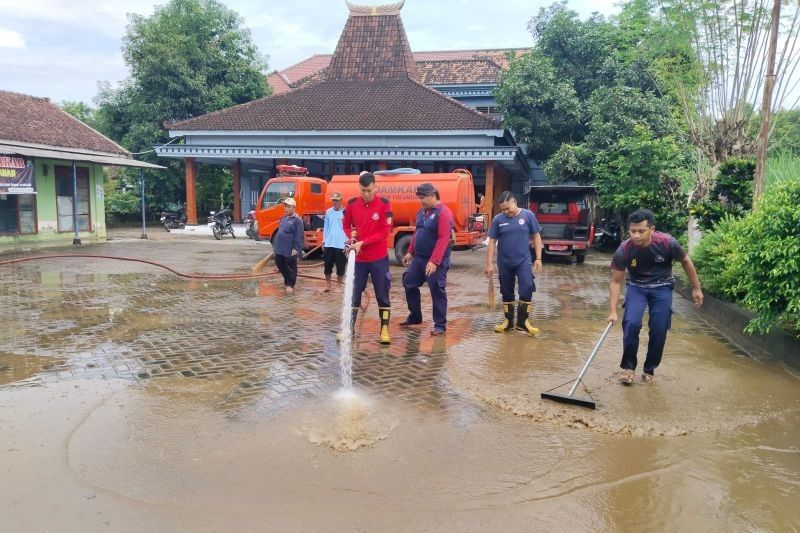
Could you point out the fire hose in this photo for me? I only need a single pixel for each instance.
(207, 277)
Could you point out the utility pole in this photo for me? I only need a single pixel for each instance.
(141, 185)
(766, 102)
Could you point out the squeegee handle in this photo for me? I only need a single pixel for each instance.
(589, 361)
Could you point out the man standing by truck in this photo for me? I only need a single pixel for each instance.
(368, 221)
(648, 257)
(428, 259)
(333, 239)
(514, 232)
(289, 244)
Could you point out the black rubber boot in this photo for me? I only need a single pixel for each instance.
(353, 318)
(523, 320)
(385, 313)
(508, 322)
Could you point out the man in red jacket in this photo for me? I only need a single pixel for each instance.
(368, 221)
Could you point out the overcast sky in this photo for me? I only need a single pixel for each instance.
(61, 48)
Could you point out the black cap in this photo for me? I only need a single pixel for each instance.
(425, 189)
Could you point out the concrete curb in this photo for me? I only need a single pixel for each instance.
(730, 320)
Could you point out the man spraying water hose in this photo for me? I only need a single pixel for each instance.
(368, 220)
(647, 256)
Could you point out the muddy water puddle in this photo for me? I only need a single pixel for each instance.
(234, 421)
(16, 368)
(701, 386)
(164, 445)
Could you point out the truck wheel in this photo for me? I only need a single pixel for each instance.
(401, 247)
(580, 257)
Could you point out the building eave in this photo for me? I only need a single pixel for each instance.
(492, 153)
(44, 151)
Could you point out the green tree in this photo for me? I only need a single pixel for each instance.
(83, 112)
(189, 58)
(537, 106)
(646, 170)
(626, 133)
(719, 98)
(616, 112)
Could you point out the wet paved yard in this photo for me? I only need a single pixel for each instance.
(131, 399)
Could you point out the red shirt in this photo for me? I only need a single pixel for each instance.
(372, 222)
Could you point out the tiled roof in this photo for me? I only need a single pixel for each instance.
(372, 48)
(459, 71)
(306, 67)
(277, 83)
(310, 69)
(499, 56)
(396, 104)
(371, 83)
(29, 119)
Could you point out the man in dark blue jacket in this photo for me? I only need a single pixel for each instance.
(289, 244)
(428, 259)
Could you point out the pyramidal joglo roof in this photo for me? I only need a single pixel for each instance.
(372, 83)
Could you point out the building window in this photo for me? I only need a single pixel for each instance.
(488, 110)
(64, 199)
(17, 214)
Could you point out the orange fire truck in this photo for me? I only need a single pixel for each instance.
(312, 195)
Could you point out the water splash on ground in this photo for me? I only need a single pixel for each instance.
(351, 421)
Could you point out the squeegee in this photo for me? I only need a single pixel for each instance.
(570, 398)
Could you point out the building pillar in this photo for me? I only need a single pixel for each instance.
(489, 190)
(191, 191)
(237, 190)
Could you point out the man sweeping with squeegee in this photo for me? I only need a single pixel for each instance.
(648, 257)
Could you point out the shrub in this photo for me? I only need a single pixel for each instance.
(755, 260)
(769, 260)
(712, 257)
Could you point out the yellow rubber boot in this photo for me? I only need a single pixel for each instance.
(508, 321)
(385, 313)
(523, 318)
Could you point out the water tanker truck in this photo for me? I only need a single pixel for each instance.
(312, 195)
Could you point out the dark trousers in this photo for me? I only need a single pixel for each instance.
(658, 300)
(334, 256)
(414, 277)
(381, 281)
(288, 268)
(510, 275)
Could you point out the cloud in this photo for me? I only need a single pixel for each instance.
(11, 39)
(82, 41)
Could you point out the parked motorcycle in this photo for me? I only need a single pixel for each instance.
(607, 235)
(220, 223)
(250, 225)
(173, 219)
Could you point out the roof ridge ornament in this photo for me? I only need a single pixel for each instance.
(374, 10)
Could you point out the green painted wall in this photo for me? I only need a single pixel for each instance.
(46, 213)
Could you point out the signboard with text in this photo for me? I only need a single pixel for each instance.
(16, 175)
